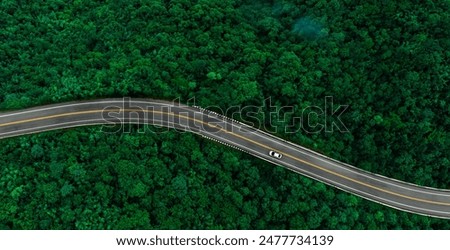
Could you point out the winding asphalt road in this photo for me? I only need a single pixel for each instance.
(110, 112)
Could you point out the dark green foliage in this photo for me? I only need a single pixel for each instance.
(388, 60)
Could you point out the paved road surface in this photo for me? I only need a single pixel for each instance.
(390, 192)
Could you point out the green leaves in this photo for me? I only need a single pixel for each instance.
(214, 76)
(388, 62)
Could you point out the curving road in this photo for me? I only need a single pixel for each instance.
(390, 192)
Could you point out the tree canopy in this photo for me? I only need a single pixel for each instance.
(388, 60)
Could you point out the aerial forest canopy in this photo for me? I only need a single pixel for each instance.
(388, 60)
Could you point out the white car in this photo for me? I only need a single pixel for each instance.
(275, 154)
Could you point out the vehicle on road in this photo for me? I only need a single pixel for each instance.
(275, 154)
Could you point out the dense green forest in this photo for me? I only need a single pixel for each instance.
(388, 60)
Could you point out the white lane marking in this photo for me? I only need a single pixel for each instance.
(324, 159)
(313, 154)
(293, 167)
(336, 184)
(54, 126)
(112, 102)
(82, 123)
(52, 107)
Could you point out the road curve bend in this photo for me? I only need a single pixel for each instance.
(109, 112)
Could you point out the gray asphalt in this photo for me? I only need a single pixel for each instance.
(111, 112)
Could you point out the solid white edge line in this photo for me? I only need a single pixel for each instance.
(259, 133)
(260, 155)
